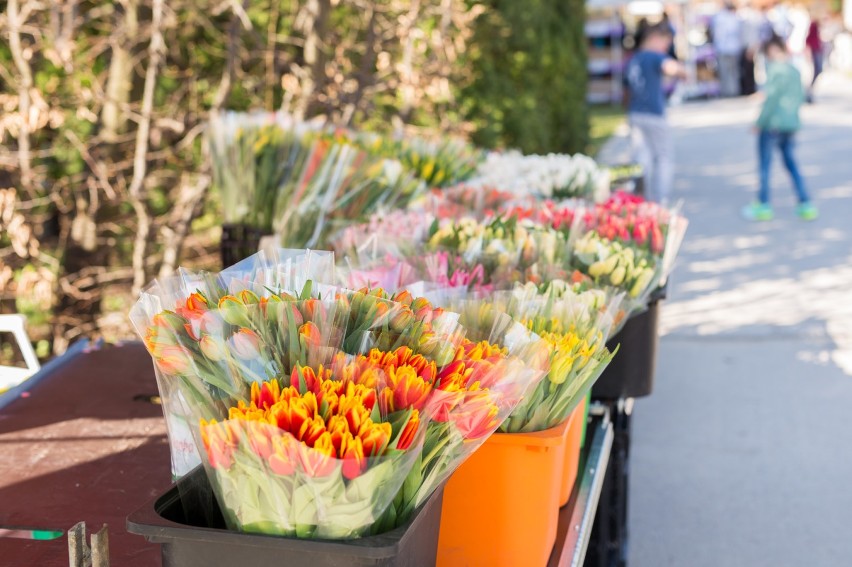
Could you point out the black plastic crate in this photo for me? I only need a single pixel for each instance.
(191, 538)
(239, 241)
(631, 372)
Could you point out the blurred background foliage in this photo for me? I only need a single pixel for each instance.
(104, 175)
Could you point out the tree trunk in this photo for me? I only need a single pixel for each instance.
(15, 21)
(315, 29)
(120, 78)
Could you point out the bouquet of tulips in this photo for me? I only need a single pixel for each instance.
(438, 163)
(392, 251)
(508, 250)
(252, 156)
(474, 254)
(627, 243)
(276, 172)
(478, 201)
(575, 322)
(326, 413)
(554, 176)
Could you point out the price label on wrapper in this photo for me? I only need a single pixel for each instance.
(185, 455)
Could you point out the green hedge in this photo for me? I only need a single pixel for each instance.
(528, 84)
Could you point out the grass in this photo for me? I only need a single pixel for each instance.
(603, 122)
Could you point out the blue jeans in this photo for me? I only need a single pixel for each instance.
(784, 140)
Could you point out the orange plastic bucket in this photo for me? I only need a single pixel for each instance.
(573, 443)
(501, 506)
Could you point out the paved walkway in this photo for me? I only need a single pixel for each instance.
(743, 454)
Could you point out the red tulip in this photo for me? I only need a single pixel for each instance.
(409, 432)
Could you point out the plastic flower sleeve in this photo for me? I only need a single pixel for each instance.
(675, 232)
(253, 155)
(471, 397)
(290, 344)
(395, 234)
(615, 263)
(320, 455)
(386, 273)
(280, 270)
(577, 326)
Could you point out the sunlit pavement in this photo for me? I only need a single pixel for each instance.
(743, 454)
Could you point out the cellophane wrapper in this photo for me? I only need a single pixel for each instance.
(253, 155)
(480, 254)
(577, 323)
(323, 412)
(627, 243)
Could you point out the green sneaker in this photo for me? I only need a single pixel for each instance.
(758, 212)
(807, 211)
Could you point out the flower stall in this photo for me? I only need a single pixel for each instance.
(388, 402)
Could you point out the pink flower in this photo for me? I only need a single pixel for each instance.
(245, 344)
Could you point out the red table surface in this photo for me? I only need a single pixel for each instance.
(77, 447)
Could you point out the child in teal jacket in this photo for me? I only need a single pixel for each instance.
(776, 126)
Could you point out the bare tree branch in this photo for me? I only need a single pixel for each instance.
(16, 16)
(143, 228)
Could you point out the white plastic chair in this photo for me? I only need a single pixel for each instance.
(11, 376)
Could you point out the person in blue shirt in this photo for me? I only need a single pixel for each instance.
(646, 110)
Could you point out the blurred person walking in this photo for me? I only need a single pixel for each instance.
(726, 31)
(813, 42)
(650, 135)
(776, 126)
(754, 27)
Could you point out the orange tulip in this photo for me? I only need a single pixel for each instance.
(174, 360)
(281, 461)
(219, 443)
(409, 389)
(337, 428)
(409, 432)
(453, 376)
(311, 430)
(266, 395)
(194, 307)
(312, 380)
(312, 309)
(355, 413)
(352, 453)
(309, 335)
(403, 297)
(292, 415)
(375, 437)
(317, 461)
(476, 416)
